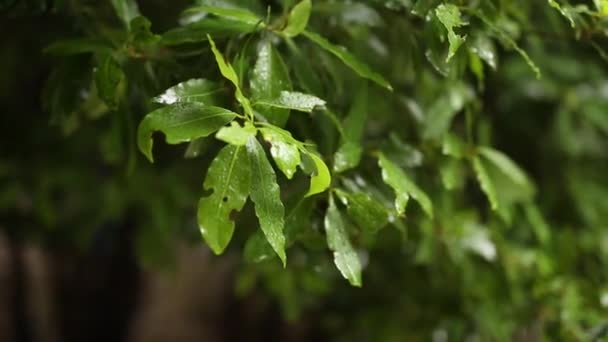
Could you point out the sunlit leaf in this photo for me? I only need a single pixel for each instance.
(449, 16)
(236, 134)
(298, 18)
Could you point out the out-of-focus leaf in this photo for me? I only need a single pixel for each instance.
(197, 32)
(403, 187)
(108, 79)
(345, 256)
(449, 15)
(506, 165)
(485, 182)
(269, 78)
(452, 174)
(440, 114)
(266, 197)
(347, 58)
(368, 213)
(229, 73)
(349, 152)
(236, 14)
(78, 46)
(453, 146)
(257, 249)
(181, 122)
(126, 10)
(198, 90)
(567, 14)
(483, 47)
(236, 134)
(229, 178)
(282, 149)
(293, 100)
(298, 19)
(321, 178)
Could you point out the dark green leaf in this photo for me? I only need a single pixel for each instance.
(269, 78)
(347, 58)
(197, 90)
(198, 31)
(368, 213)
(181, 122)
(507, 166)
(298, 19)
(266, 197)
(229, 179)
(108, 79)
(443, 110)
(345, 256)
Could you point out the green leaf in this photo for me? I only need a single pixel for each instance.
(126, 10)
(284, 152)
(108, 79)
(228, 72)
(441, 113)
(181, 122)
(236, 14)
(293, 100)
(449, 16)
(403, 187)
(347, 58)
(298, 19)
(485, 182)
(78, 46)
(368, 213)
(453, 146)
(266, 197)
(236, 134)
(198, 31)
(257, 249)
(229, 178)
(349, 152)
(197, 90)
(507, 166)
(269, 77)
(483, 47)
(562, 11)
(321, 179)
(345, 257)
(452, 174)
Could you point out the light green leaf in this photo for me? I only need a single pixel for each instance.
(197, 90)
(449, 16)
(108, 79)
(236, 14)
(321, 179)
(266, 197)
(284, 152)
(403, 187)
(269, 77)
(349, 152)
(229, 179)
(441, 113)
(293, 100)
(298, 19)
(198, 31)
(236, 134)
(453, 146)
(126, 10)
(507, 166)
(485, 182)
(369, 214)
(181, 122)
(347, 58)
(562, 11)
(452, 174)
(228, 72)
(483, 47)
(345, 257)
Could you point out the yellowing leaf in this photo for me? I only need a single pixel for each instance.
(321, 179)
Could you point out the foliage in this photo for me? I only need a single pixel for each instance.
(308, 127)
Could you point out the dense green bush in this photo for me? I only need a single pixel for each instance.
(450, 158)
